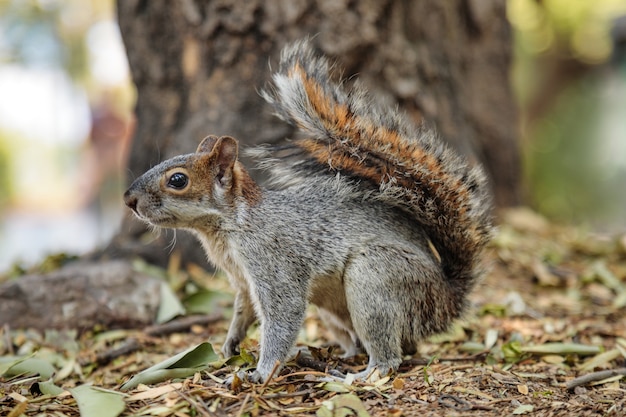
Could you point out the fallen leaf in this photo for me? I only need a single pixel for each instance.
(184, 364)
(94, 402)
(18, 410)
(601, 359)
(491, 338)
(398, 383)
(523, 409)
(155, 392)
(49, 388)
(169, 306)
(561, 349)
(14, 366)
(335, 387)
(343, 405)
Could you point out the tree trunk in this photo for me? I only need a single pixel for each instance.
(198, 66)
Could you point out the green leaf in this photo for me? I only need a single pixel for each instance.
(244, 358)
(472, 347)
(48, 388)
(562, 349)
(182, 365)
(144, 267)
(94, 402)
(512, 352)
(170, 306)
(7, 362)
(111, 335)
(491, 338)
(155, 376)
(600, 360)
(604, 275)
(197, 356)
(205, 301)
(13, 366)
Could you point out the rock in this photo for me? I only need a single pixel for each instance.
(81, 295)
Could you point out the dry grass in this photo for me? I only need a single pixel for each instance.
(552, 294)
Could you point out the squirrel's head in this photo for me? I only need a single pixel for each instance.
(188, 191)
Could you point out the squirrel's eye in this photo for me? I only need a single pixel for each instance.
(178, 180)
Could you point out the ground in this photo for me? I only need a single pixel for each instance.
(546, 336)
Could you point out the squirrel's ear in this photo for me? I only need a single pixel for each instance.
(226, 149)
(207, 144)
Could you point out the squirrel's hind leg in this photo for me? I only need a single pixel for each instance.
(377, 301)
(388, 286)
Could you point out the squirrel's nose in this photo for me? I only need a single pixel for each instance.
(130, 200)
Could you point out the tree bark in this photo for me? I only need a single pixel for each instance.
(198, 66)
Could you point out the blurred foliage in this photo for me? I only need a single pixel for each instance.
(566, 161)
(580, 28)
(48, 33)
(565, 69)
(6, 189)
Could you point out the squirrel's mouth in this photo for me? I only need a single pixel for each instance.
(160, 221)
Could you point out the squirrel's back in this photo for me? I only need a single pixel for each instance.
(384, 156)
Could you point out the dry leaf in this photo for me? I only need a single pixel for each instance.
(398, 383)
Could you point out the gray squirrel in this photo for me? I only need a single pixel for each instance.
(372, 219)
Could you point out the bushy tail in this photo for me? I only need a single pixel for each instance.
(410, 167)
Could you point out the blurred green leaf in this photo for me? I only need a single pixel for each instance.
(472, 347)
(170, 306)
(512, 352)
(497, 310)
(244, 358)
(205, 301)
(561, 349)
(13, 366)
(142, 266)
(49, 388)
(600, 360)
(94, 402)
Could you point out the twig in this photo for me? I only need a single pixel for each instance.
(267, 381)
(411, 363)
(201, 409)
(243, 405)
(127, 347)
(294, 374)
(182, 324)
(286, 394)
(594, 376)
(308, 362)
(452, 401)
(465, 358)
(459, 404)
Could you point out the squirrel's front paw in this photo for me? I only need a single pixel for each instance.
(252, 376)
(230, 347)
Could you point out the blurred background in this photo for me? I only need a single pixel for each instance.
(66, 103)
